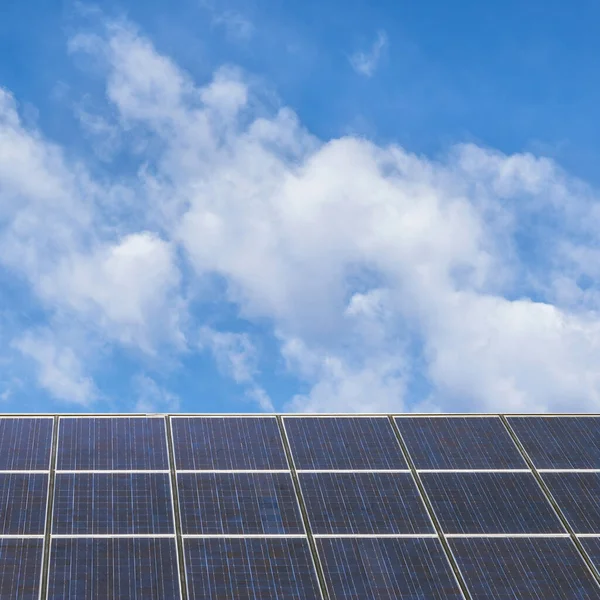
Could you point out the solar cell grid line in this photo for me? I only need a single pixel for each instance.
(100, 568)
(112, 444)
(524, 568)
(21, 568)
(364, 503)
(23, 501)
(343, 443)
(25, 443)
(236, 568)
(238, 503)
(227, 443)
(559, 442)
(490, 503)
(451, 443)
(387, 569)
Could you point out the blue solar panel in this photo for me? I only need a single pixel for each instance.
(101, 568)
(20, 568)
(204, 443)
(577, 496)
(250, 568)
(527, 569)
(592, 548)
(344, 443)
(110, 444)
(459, 443)
(387, 569)
(364, 503)
(238, 503)
(560, 442)
(25, 444)
(112, 503)
(490, 503)
(23, 503)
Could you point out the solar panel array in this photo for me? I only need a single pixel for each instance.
(300, 507)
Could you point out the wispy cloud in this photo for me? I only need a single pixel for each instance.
(366, 63)
(237, 26)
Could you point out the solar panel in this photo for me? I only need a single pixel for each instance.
(523, 568)
(459, 443)
(23, 503)
(101, 568)
(238, 503)
(560, 442)
(364, 503)
(387, 569)
(25, 444)
(592, 548)
(20, 568)
(491, 503)
(320, 443)
(136, 443)
(253, 568)
(205, 443)
(112, 503)
(577, 495)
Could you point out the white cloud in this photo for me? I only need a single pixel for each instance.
(366, 63)
(152, 398)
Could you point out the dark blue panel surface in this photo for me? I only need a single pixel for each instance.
(344, 443)
(20, 568)
(205, 443)
(238, 503)
(363, 503)
(112, 444)
(250, 568)
(560, 442)
(490, 503)
(459, 443)
(101, 568)
(25, 444)
(387, 569)
(592, 547)
(112, 503)
(578, 497)
(23, 503)
(524, 569)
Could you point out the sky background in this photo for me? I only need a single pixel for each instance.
(314, 206)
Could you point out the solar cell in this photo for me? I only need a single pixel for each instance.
(364, 503)
(560, 442)
(111, 444)
(25, 444)
(101, 568)
(459, 443)
(577, 495)
(20, 568)
(238, 503)
(112, 503)
(23, 503)
(256, 568)
(387, 569)
(344, 443)
(523, 568)
(592, 547)
(205, 443)
(490, 503)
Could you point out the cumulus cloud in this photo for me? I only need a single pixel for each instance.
(366, 63)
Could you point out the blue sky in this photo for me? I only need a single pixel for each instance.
(316, 206)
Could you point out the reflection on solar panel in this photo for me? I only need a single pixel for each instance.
(265, 569)
(25, 444)
(238, 503)
(490, 503)
(112, 444)
(344, 443)
(23, 503)
(387, 569)
(207, 443)
(364, 503)
(560, 442)
(20, 568)
(112, 503)
(459, 443)
(527, 569)
(101, 568)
